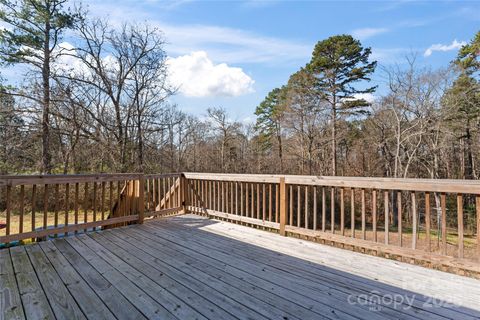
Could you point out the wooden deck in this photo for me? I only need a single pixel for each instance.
(189, 267)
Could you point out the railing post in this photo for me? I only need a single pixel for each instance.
(141, 198)
(283, 206)
(183, 193)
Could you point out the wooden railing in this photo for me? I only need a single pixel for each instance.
(36, 207)
(414, 218)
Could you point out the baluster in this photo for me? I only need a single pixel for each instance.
(315, 208)
(264, 207)
(291, 205)
(75, 204)
(55, 210)
(34, 200)
(103, 201)
(342, 212)
(252, 200)
(324, 209)
(352, 212)
(332, 209)
(111, 200)
(241, 198)
(277, 203)
(443, 205)
(219, 194)
(233, 200)
(374, 214)
(67, 205)
(428, 221)
(8, 204)
(95, 202)
(460, 224)
(477, 209)
(298, 207)
(399, 219)
(85, 203)
(22, 207)
(236, 197)
(269, 202)
(45, 206)
(387, 217)
(364, 231)
(415, 220)
(306, 207)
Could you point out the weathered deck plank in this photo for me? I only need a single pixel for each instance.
(62, 303)
(10, 302)
(189, 267)
(108, 294)
(293, 281)
(34, 300)
(91, 304)
(312, 273)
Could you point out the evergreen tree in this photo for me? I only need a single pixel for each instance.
(269, 120)
(468, 58)
(31, 37)
(339, 63)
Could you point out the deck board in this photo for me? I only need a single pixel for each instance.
(295, 279)
(190, 267)
(325, 278)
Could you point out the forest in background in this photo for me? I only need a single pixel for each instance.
(100, 103)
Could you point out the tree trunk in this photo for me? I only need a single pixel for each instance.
(46, 156)
(334, 141)
(280, 150)
(140, 144)
(469, 173)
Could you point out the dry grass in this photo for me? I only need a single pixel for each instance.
(51, 218)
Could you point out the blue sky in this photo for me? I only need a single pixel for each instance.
(232, 53)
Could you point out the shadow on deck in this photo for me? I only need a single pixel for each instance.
(189, 267)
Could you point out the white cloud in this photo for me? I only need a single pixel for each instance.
(369, 97)
(444, 47)
(197, 76)
(365, 33)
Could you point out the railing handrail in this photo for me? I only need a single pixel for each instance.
(14, 180)
(405, 184)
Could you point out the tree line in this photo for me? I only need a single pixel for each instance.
(99, 102)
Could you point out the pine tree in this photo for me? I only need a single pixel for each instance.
(468, 58)
(339, 63)
(31, 37)
(269, 120)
